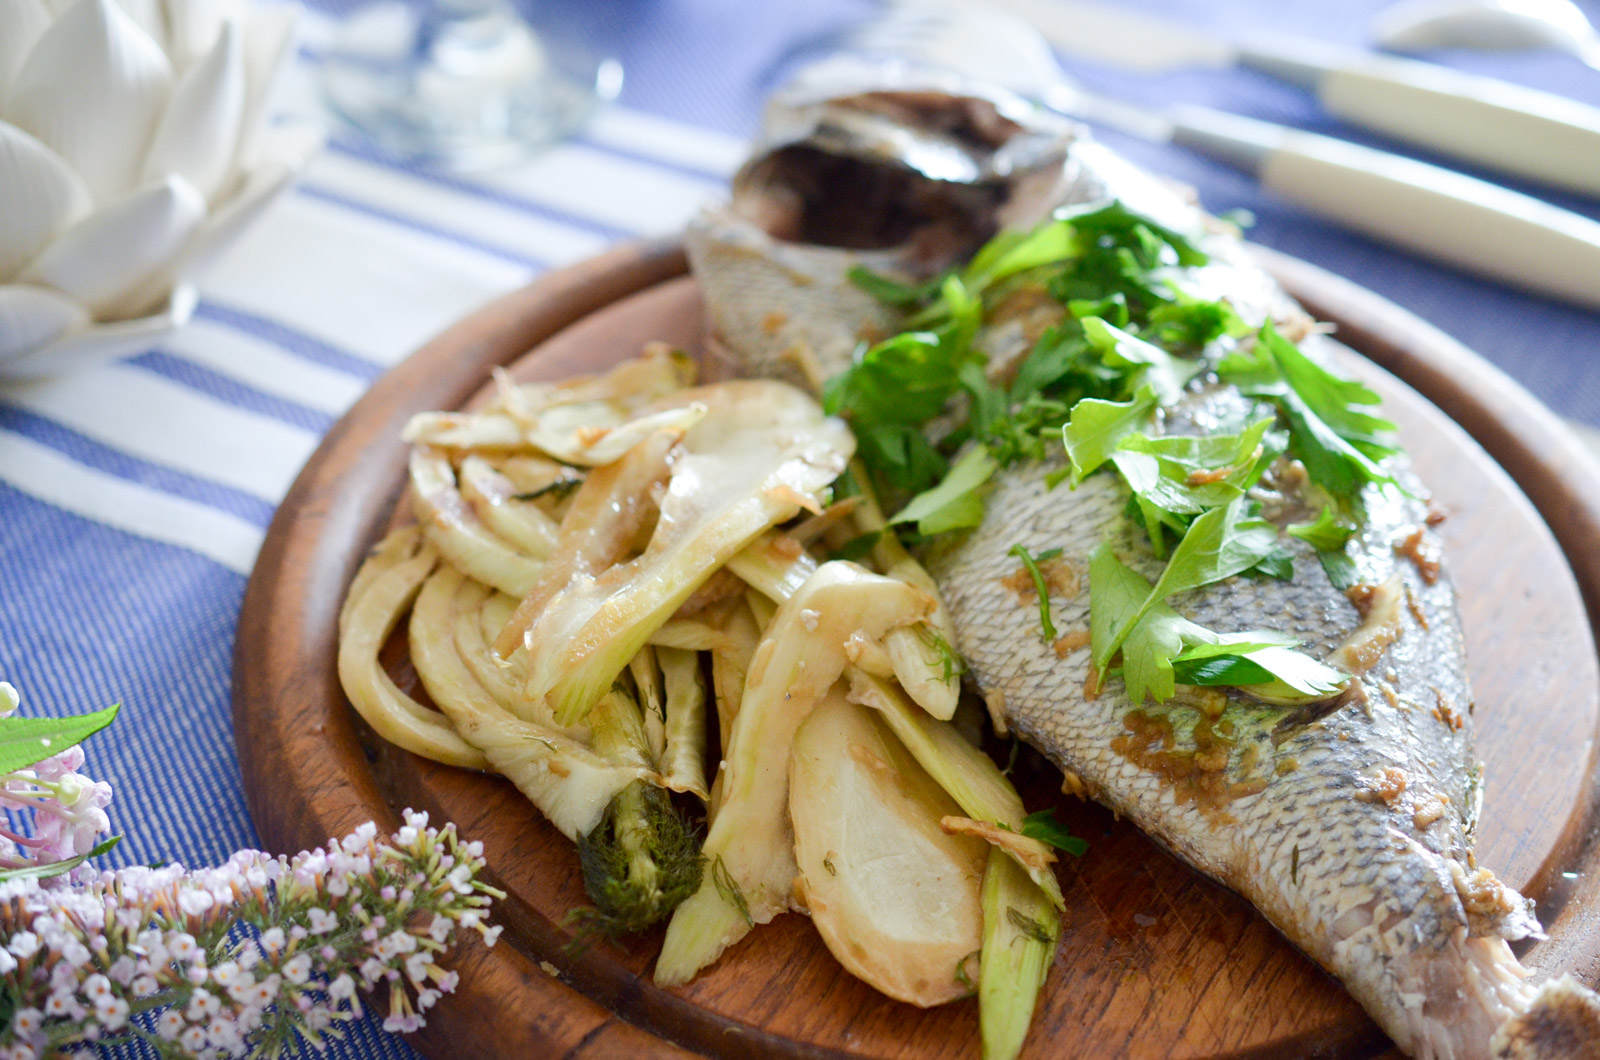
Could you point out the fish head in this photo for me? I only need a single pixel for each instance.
(903, 172)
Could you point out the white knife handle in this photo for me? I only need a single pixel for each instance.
(1500, 126)
(1437, 213)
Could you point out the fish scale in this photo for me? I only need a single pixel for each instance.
(1348, 825)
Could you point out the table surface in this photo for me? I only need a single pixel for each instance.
(133, 497)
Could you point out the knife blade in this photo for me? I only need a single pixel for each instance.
(1503, 127)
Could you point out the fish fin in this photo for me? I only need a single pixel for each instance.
(1562, 1023)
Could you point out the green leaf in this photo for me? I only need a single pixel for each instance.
(904, 379)
(1326, 533)
(1279, 564)
(955, 503)
(1115, 597)
(965, 313)
(1177, 474)
(1220, 543)
(1340, 569)
(1191, 323)
(1220, 670)
(1210, 645)
(1331, 462)
(1114, 217)
(1331, 397)
(25, 741)
(1160, 648)
(1206, 452)
(1147, 364)
(1300, 672)
(1264, 664)
(1048, 244)
(1147, 653)
(1040, 587)
(989, 404)
(1059, 353)
(1044, 827)
(1338, 444)
(57, 868)
(1113, 307)
(1097, 427)
(893, 292)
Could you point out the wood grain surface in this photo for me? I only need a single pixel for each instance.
(1155, 960)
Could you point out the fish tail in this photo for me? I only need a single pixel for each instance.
(1453, 998)
(1561, 1023)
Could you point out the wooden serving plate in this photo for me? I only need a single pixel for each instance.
(1155, 960)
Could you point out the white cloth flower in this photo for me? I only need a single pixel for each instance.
(113, 179)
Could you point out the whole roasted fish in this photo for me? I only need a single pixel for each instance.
(1347, 818)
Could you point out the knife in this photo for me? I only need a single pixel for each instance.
(1500, 126)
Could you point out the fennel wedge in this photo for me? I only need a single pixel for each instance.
(895, 897)
(762, 452)
(750, 847)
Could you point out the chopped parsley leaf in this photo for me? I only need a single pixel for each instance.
(1041, 587)
(1044, 827)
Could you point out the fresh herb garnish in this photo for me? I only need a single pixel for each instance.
(1139, 363)
(893, 292)
(1044, 827)
(1103, 259)
(1040, 586)
(1160, 648)
(1175, 478)
(1219, 544)
(954, 665)
(955, 503)
(1340, 569)
(1325, 534)
(1097, 427)
(728, 888)
(1129, 341)
(1029, 926)
(1337, 442)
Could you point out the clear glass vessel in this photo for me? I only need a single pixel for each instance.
(464, 84)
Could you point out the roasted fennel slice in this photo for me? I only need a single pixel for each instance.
(894, 896)
(383, 589)
(762, 452)
(750, 846)
(570, 783)
(454, 529)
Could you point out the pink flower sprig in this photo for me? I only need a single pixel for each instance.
(67, 809)
(151, 954)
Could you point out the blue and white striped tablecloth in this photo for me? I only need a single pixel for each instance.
(133, 497)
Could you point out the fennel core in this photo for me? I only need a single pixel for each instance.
(639, 862)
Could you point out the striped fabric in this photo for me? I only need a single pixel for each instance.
(134, 496)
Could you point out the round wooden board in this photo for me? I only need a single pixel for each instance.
(1155, 960)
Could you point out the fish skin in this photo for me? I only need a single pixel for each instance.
(1306, 817)
(1316, 849)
